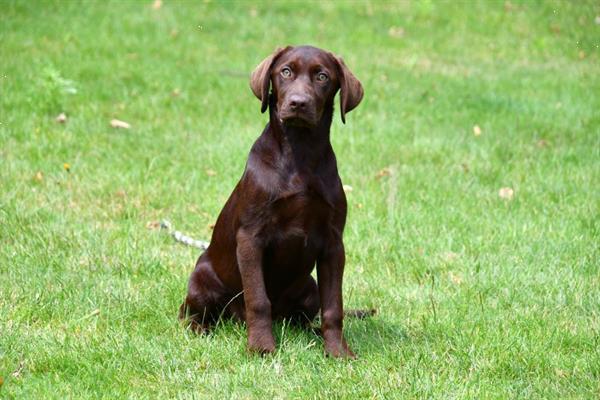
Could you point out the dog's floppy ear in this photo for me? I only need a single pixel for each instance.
(260, 80)
(351, 91)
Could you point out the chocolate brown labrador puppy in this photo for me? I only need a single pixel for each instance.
(287, 212)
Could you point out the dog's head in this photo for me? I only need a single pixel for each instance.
(304, 81)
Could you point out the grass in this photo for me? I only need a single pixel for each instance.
(478, 296)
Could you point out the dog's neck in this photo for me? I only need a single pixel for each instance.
(304, 144)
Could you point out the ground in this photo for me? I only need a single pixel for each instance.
(474, 214)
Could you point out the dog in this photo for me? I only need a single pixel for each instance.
(287, 212)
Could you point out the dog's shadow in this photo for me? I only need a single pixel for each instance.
(375, 334)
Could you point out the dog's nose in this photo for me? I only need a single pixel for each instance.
(298, 103)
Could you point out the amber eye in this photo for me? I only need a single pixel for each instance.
(322, 77)
(286, 72)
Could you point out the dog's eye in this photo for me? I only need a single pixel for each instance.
(322, 77)
(286, 72)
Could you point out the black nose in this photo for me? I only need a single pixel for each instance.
(298, 103)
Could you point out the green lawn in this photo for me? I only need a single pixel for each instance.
(479, 296)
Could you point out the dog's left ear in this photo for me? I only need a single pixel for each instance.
(260, 80)
(351, 91)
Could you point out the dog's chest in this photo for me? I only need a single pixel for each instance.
(301, 209)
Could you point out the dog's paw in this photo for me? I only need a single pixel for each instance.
(261, 344)
(339, 350)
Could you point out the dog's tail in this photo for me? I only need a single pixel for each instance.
(360, 314)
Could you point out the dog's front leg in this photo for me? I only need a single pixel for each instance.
(330, 270)
(258, 305)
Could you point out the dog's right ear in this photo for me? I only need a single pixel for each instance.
(260, 80)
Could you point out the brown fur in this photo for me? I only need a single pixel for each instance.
(287, 212)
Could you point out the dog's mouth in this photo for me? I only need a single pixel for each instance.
(293, 118)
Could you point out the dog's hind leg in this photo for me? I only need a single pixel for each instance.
(205, 299)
